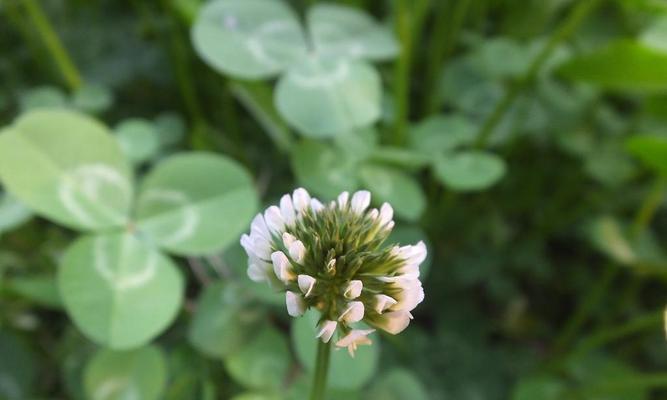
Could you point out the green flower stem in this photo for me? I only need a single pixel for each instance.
(52, 42)
(257, 98)
(448, 24)
(595, 296)
(409, 17)
(650, 205)
(321, 370)
(637, 384)
(564, 31)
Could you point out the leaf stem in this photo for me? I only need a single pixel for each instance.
(448, 23)
(404, 27)
(321, 370)
(565, 30)
(650, 205)
(54, 45)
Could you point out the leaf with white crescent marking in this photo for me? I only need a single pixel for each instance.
(323, 97)
(120, 291)
(68, 168)
(249, 39)
(196, 203)
(346, 32)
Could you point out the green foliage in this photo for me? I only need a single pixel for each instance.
(524, 142)
(140, 373)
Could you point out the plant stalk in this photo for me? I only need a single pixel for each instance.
(564, 31)
(321, 370)
(52, 42)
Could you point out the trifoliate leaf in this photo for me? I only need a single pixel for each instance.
(224, 320)
(119, 291)
(346, 32)
(249, 39)
(323, 97)
(12, 212)
(196, 203)
(42, 97)
(138, 138)
(392, 185)
(67, 167)
(323, 169)
(397, 384)
(92, 98)
(117, 375)
(469, 170)
(263, 362)
(442, 133)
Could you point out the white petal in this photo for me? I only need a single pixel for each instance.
(258, 227)
(301, 199)
(353, 289)
(288, 239)
(256, 246)
(295, 304)
(274, 220)
(256, 273)
(316, 205)
(413, 254)
(355, 338)
(410, 296)
(386, 213)
(353, 313)
(306, 284)
(247, 244)
(360, 201)
(394, 322)
(382, 302)
(282, 266)
(297, 251)
(342, 199)
(327, 329)
(373, 214)
(287, 209)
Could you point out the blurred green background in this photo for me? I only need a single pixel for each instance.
(524, 141)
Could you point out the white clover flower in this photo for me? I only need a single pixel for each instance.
(334, 258)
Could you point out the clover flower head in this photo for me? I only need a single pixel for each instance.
(334, 258)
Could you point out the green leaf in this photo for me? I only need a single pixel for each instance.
(42, 97)
(400, 190)
(623, 65)
(651, 150)
(138, 138)
(442, 133)
(249, 39)
(118, 290)
(400, 157)
(323, 169)
(539, 387)
(196, 203)
(655, 36)
(121, 375)
(323, 97)
(345, 372)
(397, 384)
(17, 369)
(225, 320)
(262, 363)
(41, 289)
(346, 32)
(170, 127)
(255, 396)
(469, 170)
(67, 167)
(12, 212)
(92, 99)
